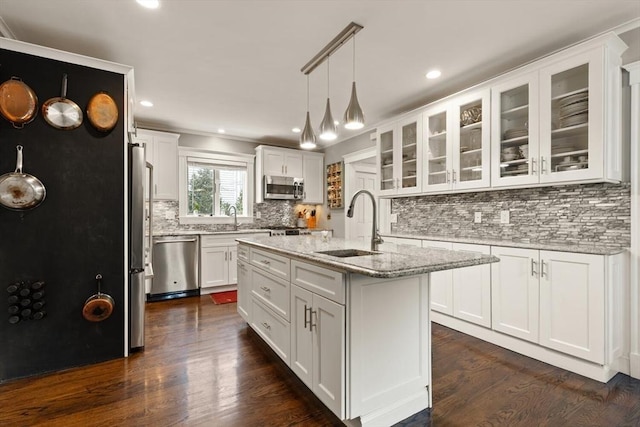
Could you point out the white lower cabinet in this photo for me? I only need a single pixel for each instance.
(317, 346)
(244, 290)
(464, 293)
(273, 329)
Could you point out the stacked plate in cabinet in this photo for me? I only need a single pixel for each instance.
(515, 133)
(574, 109)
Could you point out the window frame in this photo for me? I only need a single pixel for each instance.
(213, 157)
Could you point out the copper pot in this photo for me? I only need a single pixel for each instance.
(102, 112)
(18, 102)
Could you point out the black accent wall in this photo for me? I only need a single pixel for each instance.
(76, 233)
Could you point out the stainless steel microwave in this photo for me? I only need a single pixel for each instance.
(283, 188)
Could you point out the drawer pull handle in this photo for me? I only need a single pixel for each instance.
(533, 267)
(265, 262)
(266, 326)
(264, 288)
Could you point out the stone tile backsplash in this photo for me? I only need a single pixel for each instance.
(272, 213)
(587, 213)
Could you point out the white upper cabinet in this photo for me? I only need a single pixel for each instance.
(557, 120)
(456, 138)
(313, 174)
(399, 156)
(279, 162)
(161, 150)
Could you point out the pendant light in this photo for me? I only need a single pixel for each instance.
(307, 137)
(328, 126)
(353, 117)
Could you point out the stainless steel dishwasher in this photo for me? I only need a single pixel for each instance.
(175, 267)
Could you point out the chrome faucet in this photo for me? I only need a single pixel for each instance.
(375, 235)
(235, 216)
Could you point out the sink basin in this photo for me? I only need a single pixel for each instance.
(345, 253)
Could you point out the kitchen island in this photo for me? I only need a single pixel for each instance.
(352, 324)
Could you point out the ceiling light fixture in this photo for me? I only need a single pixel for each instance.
(146, 103)
(295, 130)
(327, 126)
(354, 119)
(434, 74)
(149, 4)
(220, 130)
(307, 137)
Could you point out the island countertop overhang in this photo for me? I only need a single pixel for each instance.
(394, 261)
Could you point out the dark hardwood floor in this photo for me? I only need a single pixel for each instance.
(202, 366)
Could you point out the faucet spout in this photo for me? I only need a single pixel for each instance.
(375, 235)
(235, 216)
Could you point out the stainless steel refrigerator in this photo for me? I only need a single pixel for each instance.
(137, 177)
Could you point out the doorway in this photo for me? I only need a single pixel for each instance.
(361, 173)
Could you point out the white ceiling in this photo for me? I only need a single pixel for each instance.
(236, 64)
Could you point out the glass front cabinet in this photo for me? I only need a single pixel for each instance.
(399, 162)
(559, 122)
(456, 140)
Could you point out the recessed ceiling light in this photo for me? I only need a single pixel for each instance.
(149, 4)
(146, 103)
(433, 74)
(220, 130)
(336, 122)
(295, 130)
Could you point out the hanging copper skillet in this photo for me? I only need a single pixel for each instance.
(60, 112)
(18, 102)
(98, 307)
(20, 191)
(102, 112)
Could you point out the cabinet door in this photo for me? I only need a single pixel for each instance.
(472, 288)
(441, 282)
(572, 118)
(515, 131)
(214, 270)
(327, 324)
(273, 162)
(572, 301)
(386, 159)
(437, 137)
(471, 134)
(515, 292)
(301, 336)
(409, 163)
(293, 164)
(244, 290)
(233, 265)
(165, 167)
(313, 171)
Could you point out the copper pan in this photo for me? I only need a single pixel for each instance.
(98, 307)
(61, 112)
(18, 102)
(102, 112)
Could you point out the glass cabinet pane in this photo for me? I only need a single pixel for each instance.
(386, 160)
(409, 154)
(471, 142)
(437, 146)
(570, 120)
(514, 132)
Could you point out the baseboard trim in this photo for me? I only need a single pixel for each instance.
(634, 361)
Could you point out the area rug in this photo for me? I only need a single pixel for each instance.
(224, 297)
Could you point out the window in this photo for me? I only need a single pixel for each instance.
(211, 183)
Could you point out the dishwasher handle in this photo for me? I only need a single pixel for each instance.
(176, 241)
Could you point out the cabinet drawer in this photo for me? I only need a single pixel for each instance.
(273, 263)
(271, 291)
(322, 281)
(243, 252)
(272, 329)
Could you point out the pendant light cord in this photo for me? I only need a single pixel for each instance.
(328, 87)
(307, 92)
(354, 57)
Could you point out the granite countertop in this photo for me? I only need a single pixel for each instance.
(393, 261)
(208, 233)
(584, 248)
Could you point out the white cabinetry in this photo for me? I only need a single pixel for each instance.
(218, 262)
(557, 120)
(399, 156)
(313, 174)
(456, 135)
(161, 150)
(244, 290)
(464, 293)
(291, 163)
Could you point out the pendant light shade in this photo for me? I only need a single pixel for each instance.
(353, 117)
(307, 137)
(328, 131)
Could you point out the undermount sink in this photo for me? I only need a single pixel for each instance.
(345, 253)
